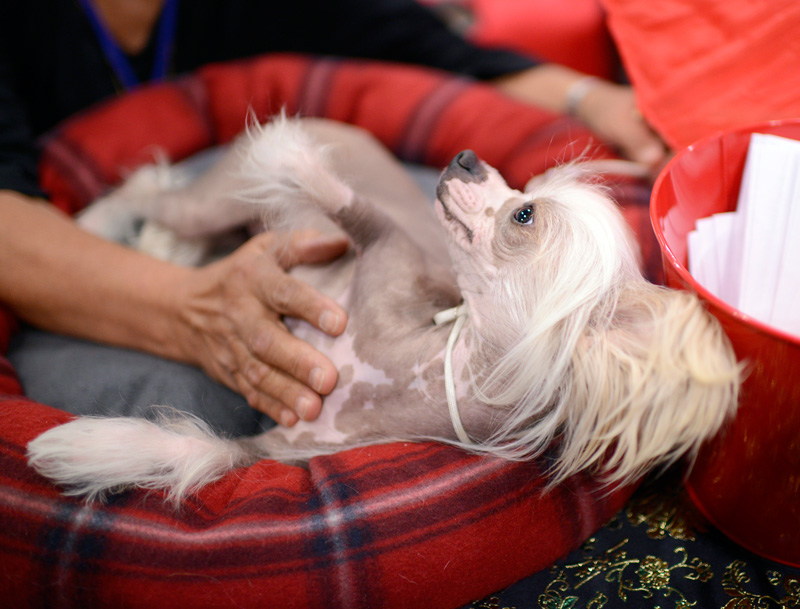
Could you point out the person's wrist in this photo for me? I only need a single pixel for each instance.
(577, 93)
(180, 335)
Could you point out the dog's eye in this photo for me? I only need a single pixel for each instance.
(524, 215)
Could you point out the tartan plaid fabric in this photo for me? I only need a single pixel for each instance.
(399, 525)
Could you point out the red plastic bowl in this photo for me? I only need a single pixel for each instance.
(746, 480)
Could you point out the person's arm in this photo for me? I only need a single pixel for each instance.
(608, 109)
(225, 318)
(403, 30)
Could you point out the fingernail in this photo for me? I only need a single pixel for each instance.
(288, 418)
(302, 406)
(316, 379)
(328, 322)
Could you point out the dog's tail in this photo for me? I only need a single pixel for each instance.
(90, 457)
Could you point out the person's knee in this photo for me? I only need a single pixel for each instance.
(90, 379)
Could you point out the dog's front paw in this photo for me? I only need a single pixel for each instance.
(161, 242)
(118, 216)
(112, 219)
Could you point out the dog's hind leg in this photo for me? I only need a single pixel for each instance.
(192, 205)
(286, 166)
(118, 215)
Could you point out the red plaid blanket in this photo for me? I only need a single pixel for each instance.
(400, 525)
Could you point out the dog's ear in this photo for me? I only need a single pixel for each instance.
(650, 384)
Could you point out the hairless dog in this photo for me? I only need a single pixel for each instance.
(517, 323)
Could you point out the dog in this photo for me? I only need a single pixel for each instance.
(517, 325)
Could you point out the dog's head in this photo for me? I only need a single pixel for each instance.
(575, 346)
(546, 250)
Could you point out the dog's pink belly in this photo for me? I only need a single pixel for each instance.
(385, 386)
(336, 423)
(355, 409)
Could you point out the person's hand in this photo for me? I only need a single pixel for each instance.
(610, 111)
(232, 324)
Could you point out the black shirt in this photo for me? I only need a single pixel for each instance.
(52, 66)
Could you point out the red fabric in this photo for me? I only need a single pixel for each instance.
(423, 116)
(571, 32)
(401, 525)
(702, 66)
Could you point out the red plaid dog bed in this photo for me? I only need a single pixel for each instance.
(399, 525)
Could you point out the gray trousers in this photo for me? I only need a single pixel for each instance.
(91, 379)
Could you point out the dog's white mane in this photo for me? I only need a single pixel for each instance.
(586, 328)
(550, 296)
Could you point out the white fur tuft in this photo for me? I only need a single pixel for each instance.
(156, 240)
(282, 166)
(91, 456)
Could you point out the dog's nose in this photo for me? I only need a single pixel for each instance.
(465, 166)
(466, 159)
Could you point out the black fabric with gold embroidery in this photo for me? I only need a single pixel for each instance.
(658, 552)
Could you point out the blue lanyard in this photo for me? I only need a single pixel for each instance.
(116, 56)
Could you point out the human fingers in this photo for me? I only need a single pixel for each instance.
(289, 296)
(279, 375)
(638, 140)
(234, 331)
(308, 247)
(277, 365)
(273, 346)
(276, 393)
(250, 350)
(281, 365)
(273, 408)
(611, 111)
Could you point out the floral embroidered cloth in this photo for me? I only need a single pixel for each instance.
(657, 552)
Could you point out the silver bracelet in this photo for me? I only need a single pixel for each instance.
(577, 92)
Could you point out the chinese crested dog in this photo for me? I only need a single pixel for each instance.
(517, 325)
